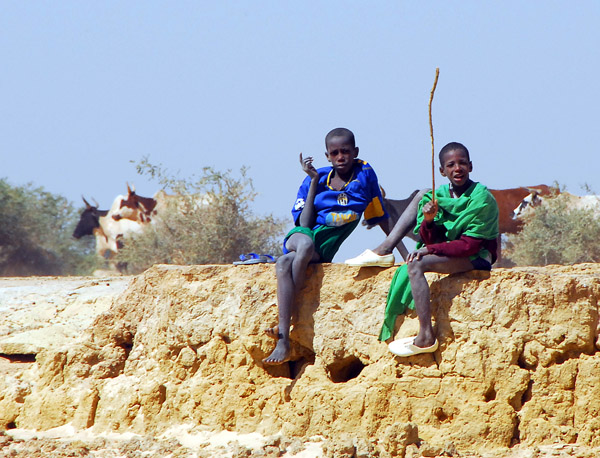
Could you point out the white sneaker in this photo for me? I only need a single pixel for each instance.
(369, 258)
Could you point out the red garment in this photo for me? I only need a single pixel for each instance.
(434, 238)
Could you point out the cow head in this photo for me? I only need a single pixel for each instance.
(88, 220)
(533, 199)
(135, 208)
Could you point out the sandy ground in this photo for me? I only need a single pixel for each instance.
(189, 443)
(177, 443)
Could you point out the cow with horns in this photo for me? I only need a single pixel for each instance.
(149, 209)
(108, 230)
(135, 207)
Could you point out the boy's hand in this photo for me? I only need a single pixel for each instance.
(417, 255)
(430, 209)
(308, 167)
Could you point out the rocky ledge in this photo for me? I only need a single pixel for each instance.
(518, 362)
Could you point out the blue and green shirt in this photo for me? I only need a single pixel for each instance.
(361, 194)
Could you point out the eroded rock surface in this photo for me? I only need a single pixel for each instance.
(518, 361)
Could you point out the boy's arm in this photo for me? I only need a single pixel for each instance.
(431, 233)
(464, 247)
(434, 237)
(308, 216)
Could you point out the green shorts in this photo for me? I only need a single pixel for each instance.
(327, 239)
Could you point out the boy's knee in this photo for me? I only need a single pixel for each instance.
(415, 268)
(284, 263)
(305, 249)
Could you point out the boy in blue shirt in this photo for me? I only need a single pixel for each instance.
(328, 207)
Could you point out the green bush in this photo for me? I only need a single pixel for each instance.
(210, 222)
(35, 234)
(555, 234)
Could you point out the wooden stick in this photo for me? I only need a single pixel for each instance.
(437, 73)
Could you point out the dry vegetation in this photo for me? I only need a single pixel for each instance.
(556, 234)
(210, 223)
(35, 234)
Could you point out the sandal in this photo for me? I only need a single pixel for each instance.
(253, 258)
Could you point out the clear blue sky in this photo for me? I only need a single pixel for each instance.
(87, 87)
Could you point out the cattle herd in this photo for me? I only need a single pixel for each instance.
(132, 213)
(127, 215)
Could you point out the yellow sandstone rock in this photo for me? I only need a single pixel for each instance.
(518, 361)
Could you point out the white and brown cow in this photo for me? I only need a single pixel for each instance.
(109, 232)
(148, 209)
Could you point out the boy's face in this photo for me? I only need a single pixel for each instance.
(341, 154)
(456, 167)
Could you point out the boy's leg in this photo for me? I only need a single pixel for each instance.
(406, 223)
(421, 293)
(291, 273)
(403, 226)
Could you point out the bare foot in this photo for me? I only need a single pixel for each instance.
(280, 355)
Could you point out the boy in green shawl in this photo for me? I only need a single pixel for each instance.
(459, 230)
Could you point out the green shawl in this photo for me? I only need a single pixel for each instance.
(474, 213)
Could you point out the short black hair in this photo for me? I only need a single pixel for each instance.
(340, 132)
(451, 147)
